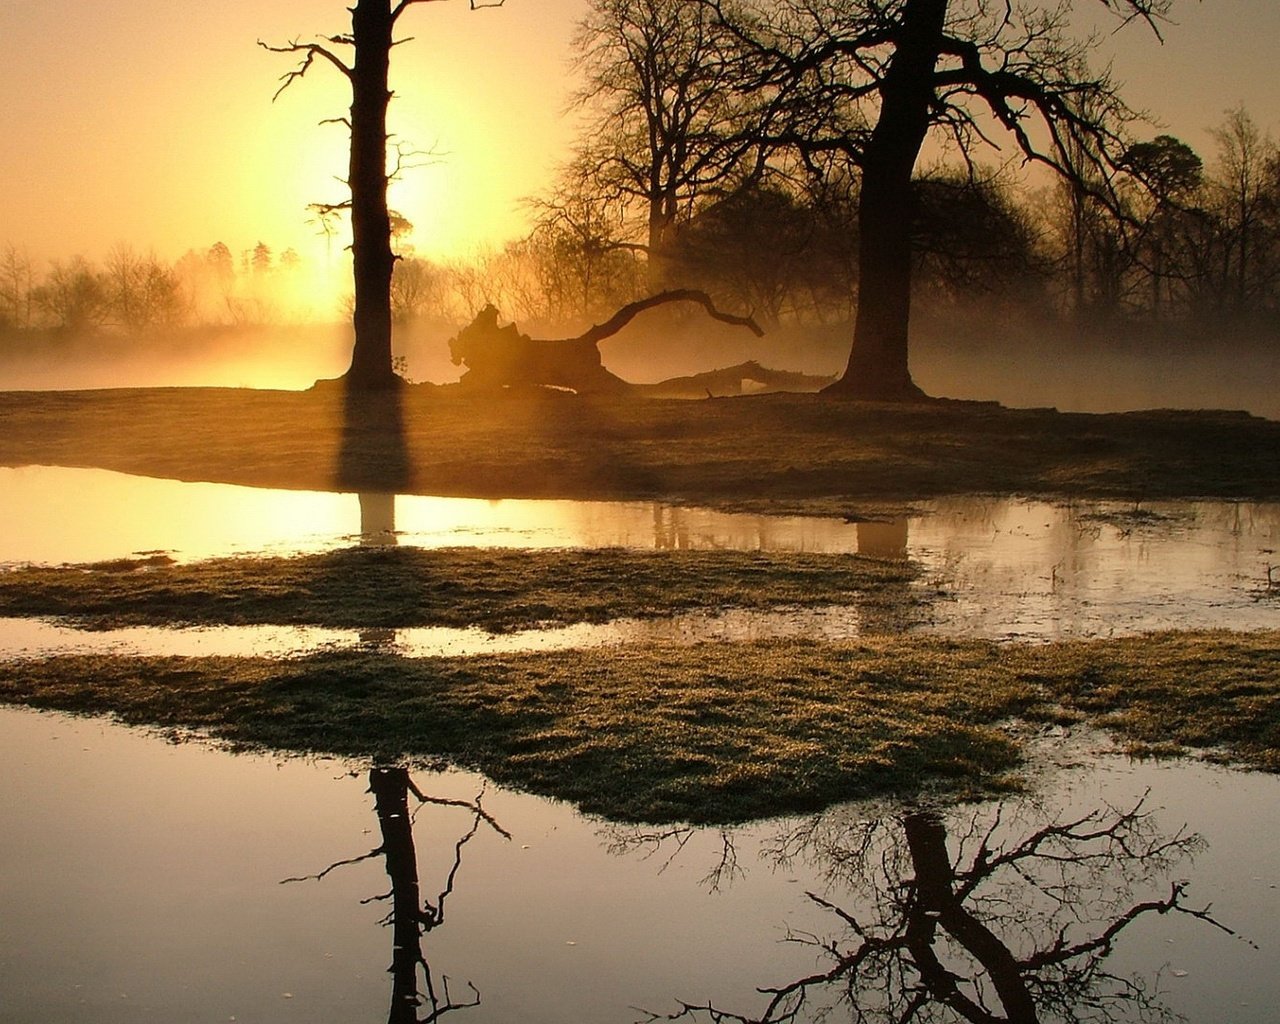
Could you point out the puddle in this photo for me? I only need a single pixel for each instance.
(991, 567)
(1039, 571)
(35, 638)
(52, 515)
(142, 881)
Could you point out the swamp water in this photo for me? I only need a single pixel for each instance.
(145, 881)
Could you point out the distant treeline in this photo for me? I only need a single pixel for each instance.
(1196, 243)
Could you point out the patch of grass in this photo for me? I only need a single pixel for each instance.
(494, 588)
(1216, 692)
(710, 733)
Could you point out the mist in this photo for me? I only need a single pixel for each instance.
(982, 353)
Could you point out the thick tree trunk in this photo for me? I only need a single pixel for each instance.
(937, 904)
(371, 24)
(877, 367)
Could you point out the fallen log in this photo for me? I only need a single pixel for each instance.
(501, 356)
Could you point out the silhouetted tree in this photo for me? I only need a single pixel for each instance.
(370, 41)
(765, 249)
(1171, 174)
(142, 292)
(1246, 196)
(577, 251)
(16, 286)
(416, 997)
(72, 295)
(666, 125)
(971, 236)
(870, 79)
(415, 287)
(260, 259)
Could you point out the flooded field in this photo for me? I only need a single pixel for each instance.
(146, 881)
(992, 567)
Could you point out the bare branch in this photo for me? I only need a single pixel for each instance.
(309, 51)
(629, 312)
(471, 805)
(377, 852)
(475, 5)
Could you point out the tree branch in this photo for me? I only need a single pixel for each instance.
(310, 52)
(629, 312)
(474, 4)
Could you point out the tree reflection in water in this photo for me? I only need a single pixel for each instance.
(415, 996)
(1005, 921)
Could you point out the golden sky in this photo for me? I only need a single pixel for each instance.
(151, 123)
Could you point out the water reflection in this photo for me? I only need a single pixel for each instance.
(977, 918)
(992, 567)
(885, 538)
(377, 530)
(416, 996)
(377, 519)
(139, 882)
(37, 638)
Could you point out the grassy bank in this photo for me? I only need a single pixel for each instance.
(772, 452)
(710, 733)
(492, 588)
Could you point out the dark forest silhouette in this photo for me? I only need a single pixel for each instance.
(866, 83)
(785, 183)
(863, 83)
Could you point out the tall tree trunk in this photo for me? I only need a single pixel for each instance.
(371, 24)
(877, 367)
(390, 788)
(661, 235)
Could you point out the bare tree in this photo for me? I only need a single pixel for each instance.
(1245, 198)
(369, 42)
(582, 260)
(142, 292)
(417, 996)
(1172, 174)
(665, 124)
(871, 79)
(416, 286)
(72, 295)
(16, 286)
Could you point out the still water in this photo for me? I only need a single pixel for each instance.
(991, 567)
(146, 881)
(142, 880)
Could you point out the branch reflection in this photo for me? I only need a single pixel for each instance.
(416, 997)
(1004, 917)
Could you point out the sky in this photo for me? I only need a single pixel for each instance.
(152, 124)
